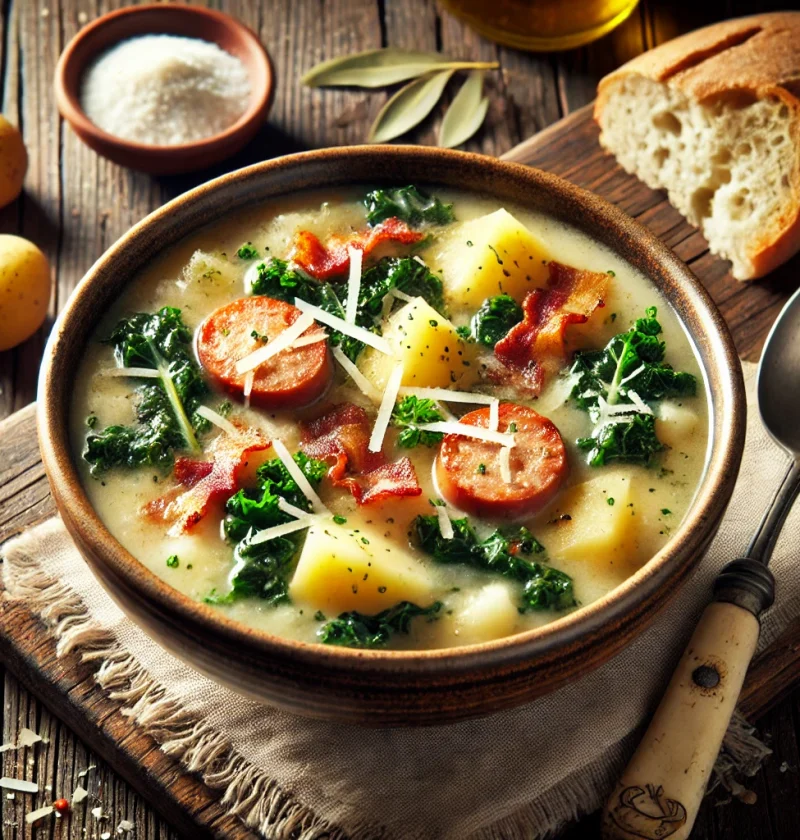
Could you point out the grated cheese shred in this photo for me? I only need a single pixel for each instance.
(281, 342)
(386, 408)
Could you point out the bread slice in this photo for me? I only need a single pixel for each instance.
(713, 117)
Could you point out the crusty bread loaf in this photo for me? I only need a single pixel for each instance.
(713, 117)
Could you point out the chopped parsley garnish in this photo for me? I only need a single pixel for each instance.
(339, 520)
(610, 501)
(247, 252)
(172, 561)
(666, 511)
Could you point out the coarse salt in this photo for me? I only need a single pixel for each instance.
(165, 90)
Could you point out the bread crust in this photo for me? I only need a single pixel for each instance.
(754, 57)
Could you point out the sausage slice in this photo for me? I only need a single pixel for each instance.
(469, 474)
(292, 378)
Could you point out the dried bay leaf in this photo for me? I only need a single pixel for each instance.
(408, 107)
(379, 68)
(466, 113)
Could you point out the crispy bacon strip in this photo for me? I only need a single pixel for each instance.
(341, 437)
(202, 483)
(535, 346)
(331, 260)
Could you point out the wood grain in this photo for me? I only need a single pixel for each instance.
(76, 204)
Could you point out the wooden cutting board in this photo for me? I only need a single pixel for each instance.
(568, 148)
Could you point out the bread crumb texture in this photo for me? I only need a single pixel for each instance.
(729, 160)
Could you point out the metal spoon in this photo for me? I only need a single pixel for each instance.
(660, 790)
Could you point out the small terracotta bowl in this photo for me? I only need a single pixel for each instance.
(191, 22)
(386, 687)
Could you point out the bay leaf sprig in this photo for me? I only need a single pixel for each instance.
(429, 74)
(466, 113)
(387, 66)
(409, 106)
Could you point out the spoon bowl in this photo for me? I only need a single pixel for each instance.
(778, 382)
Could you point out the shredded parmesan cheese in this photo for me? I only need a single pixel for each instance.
(385, 411)
(505, 464)
(353, 284)
(494, 415)
(247, 387)
(359, 333)
(143, 373)
(297, 474)
(292, 510)
(281, 342)
(449, 428)
(217, 419)
(364, 385)
(446, 395)
(305, 340)
(641, 405)
(401, 295)
(36, 815)
(281, 530)
(445, 525)
(19, 785)
(79, 794)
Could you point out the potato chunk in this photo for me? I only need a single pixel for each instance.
(429, 347)
(504, 257)
(340, 570)
(490, 614)
(675, 423)
(602, 528)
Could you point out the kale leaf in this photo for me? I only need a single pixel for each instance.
(629, 371)
(262, 569)
(354, 629)
(409, 414)
(410, 204)
(403, 273)
(166, 409)
(630, 440)
(496, 316)
(543, 587)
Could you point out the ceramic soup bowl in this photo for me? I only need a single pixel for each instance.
(379, 687)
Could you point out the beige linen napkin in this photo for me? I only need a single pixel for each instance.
(519, 774)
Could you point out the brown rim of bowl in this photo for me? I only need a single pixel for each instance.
(711, 341)
(69, 72)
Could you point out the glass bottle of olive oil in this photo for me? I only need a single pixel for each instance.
(542, 25)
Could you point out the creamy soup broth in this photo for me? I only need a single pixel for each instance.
(586, 528)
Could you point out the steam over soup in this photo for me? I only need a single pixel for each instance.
(391, 418)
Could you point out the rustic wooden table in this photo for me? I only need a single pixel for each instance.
(75, 204)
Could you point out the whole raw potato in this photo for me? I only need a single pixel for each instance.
(24, 289)
(13, 162)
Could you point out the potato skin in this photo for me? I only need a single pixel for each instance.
(13, 162)
(24, 290)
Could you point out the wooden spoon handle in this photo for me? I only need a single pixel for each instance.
(660, 791)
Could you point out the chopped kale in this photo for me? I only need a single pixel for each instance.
(543, 587)
(354, 629)
(629, 371)
(247, 252)
(496, 316)
(403, 273)
(630, 439)
(409, 414)
(410, 204)
(166, 408)
(262, 569)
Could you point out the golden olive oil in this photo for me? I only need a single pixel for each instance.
(542, 25)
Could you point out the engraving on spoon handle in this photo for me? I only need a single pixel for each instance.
(660, 790)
